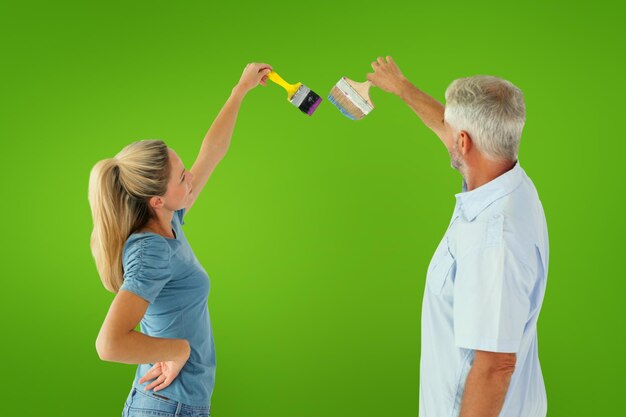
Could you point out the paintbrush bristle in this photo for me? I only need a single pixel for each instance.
(306, 100)
(349, 101)
(345, 105)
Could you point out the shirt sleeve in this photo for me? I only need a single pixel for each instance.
(491, 300)
(147, 267)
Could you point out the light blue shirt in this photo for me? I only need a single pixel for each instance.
(166, 273)
(484, 289)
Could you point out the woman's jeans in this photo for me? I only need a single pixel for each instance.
(148, 404)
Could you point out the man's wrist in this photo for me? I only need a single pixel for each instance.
(405, 88)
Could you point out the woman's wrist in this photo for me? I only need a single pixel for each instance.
(184, 350)
(239, 91)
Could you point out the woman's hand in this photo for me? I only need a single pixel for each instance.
(163, 373)
(253, 75)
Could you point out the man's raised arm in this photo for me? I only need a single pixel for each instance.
(388, 77)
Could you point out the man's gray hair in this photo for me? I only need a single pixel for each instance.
(491, 110)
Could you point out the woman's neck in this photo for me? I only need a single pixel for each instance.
(161, 224)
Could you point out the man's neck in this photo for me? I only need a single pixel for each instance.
(484, 171)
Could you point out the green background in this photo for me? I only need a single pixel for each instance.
(316, 232)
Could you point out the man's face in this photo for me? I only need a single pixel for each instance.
(456, 159)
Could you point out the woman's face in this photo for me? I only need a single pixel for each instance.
(178, 193)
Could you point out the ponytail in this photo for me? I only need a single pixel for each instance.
(119, 191)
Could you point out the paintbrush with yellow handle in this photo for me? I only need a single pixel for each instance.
(298, 94)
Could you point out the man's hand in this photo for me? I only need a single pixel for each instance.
(387, 76)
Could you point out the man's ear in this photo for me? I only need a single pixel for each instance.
(156, 202)
(466, 144)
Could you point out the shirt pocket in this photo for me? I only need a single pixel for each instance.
(440, 268)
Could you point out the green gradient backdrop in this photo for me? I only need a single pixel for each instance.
(316, 232)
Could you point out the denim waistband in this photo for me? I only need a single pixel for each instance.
(148, 400)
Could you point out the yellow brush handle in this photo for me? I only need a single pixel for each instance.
(290, 88)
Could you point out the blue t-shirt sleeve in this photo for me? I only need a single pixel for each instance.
(146, 262)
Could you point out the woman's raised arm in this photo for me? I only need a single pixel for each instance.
(217, 139)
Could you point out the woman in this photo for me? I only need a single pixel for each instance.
(138, 201)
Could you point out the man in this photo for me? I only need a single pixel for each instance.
(486, 281)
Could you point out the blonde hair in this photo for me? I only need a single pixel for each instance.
(119, 192)
(491, 110)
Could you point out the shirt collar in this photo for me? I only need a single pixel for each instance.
(472, 203)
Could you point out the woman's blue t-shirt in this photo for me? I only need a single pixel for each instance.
(166, 273)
